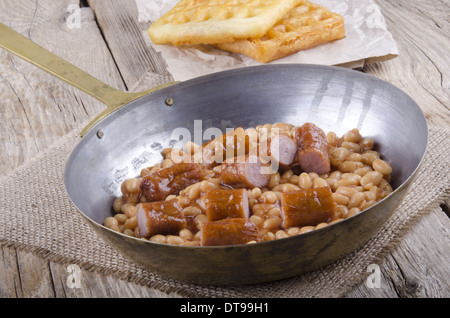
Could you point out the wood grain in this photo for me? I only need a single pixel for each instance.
(36, 109)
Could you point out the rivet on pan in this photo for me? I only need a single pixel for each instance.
(100, 134)
(169, 101)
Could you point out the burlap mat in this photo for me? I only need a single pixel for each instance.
(36, 215)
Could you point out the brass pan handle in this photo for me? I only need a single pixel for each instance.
(26, 49)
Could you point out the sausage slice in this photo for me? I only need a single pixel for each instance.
(223, 204)
(164, 217)
(245, 171)
(307, 207)
(280, 149)
(313, 154)
(158, 185)
(228, 232)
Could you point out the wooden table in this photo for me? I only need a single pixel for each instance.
(37, 109)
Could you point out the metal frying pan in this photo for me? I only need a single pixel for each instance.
(131, 137)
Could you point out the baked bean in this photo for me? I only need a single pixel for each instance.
(293, 179)
(184, 200)
(131, 223)
(192, 191)
(199, 220)
(342, 211)
(128, 232)
(340, 199)
(321, 225)
(117, 205)
(121, 218)
(348, 180)
(368, 204)
(275, 179)
(111, 222)
(366, 144)
(362, 171)
(351, 146)
(272, 223)
(191, 211)
(167, 163)
(170, 197)
(131, 186)
(257, 220)
(306, 229)
(353, 211)
(274, 212)
(305, 181)
(269, 236)
(293, 231)
(350, 166)
(254, 193)
(354, 157)
(385, 186)
(382, 166)
(174, 240)
(356, 200)
(258, 209)
(370, 179)
(370, 196)
(338, 155)
(283, 127)
(158, 238)
(347, 191)
(332, 139)
(281, 234)
(369, 157)
(319, 183)
(286, 187)
(331, 182)
(335, 175)
(269, 197)
(115, 228)
(285, 177)
(353, 136)
(335, 221)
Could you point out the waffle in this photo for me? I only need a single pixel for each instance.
(305, 26)
(218, 21)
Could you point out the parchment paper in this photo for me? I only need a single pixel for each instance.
(367, 40)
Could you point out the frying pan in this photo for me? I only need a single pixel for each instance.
(130, 134)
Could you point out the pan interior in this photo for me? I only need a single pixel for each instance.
(335, 99)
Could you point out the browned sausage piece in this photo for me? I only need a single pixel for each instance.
(307, 207)
(280, 149)
(158, 185)
(313, 154)
(222, 204)
(163, 217)
(245, 171)
(228, 232)
(232, 144)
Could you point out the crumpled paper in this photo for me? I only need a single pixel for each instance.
(367, 40)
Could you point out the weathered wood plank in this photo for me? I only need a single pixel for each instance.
(37, 108)
(421, 31)
(140, 65)
(418, 266)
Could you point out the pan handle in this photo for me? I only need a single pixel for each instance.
(26, 49)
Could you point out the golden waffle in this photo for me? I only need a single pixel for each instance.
(218, 21)
(305, 26)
